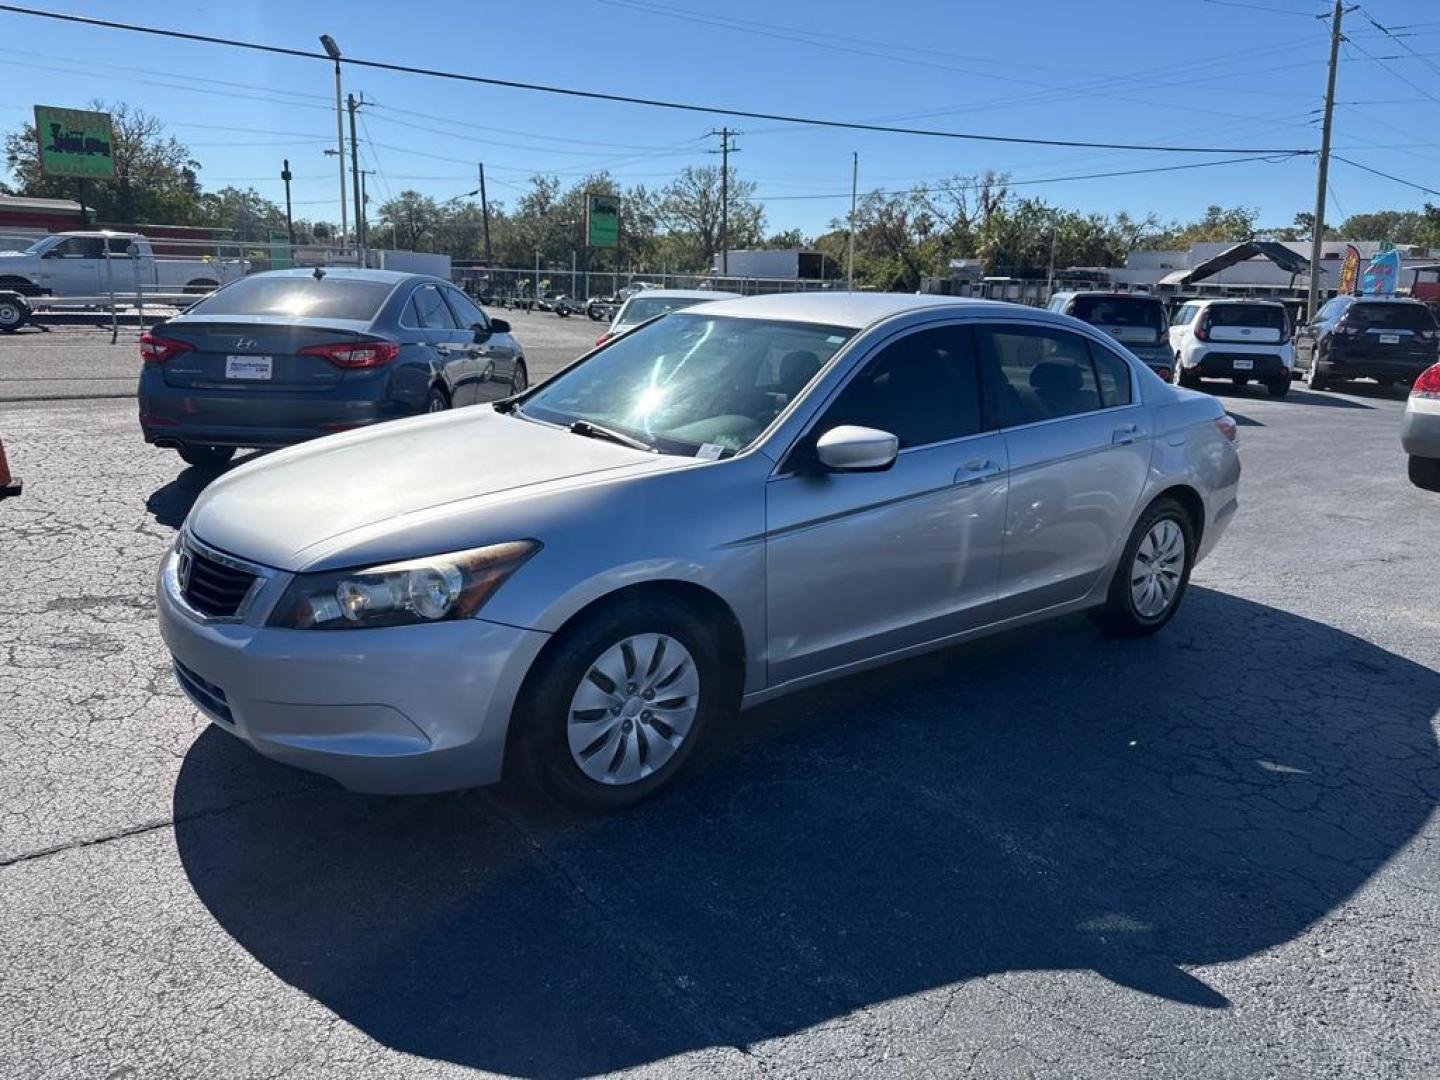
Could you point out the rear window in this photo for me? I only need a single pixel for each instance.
(1118, 311)
(1270, 317)
(641, 308)
(297, 297)
(1391, 316)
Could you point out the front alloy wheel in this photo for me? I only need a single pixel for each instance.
(633, 709)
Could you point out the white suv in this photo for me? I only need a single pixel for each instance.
(1237, 340)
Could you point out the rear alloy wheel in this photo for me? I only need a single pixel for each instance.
(520, 380)
(206, 457)
(1425, 472)
(437, 401)
(613, 711)
(1279, 387)
(1153, 573)
(1315, 378)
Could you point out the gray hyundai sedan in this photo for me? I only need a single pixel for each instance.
(725, 505)
(280, 357)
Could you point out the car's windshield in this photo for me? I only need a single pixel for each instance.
(1118, 311)
(641, 308)
(328, 297)
(689, 381)
(38, 245)
(1266, 316)
(1391, 316)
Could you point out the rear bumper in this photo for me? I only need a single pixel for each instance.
(1219, 363)
(1374, 363)
(1420, 427)
(220, 417)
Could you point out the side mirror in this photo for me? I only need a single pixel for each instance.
(856, 449)
(499, 326)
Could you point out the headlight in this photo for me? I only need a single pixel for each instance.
(417, 591)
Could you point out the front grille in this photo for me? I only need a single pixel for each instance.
(211, 587)
(205, 694)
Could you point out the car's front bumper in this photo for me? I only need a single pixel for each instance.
(397, 710)
(1420, 427)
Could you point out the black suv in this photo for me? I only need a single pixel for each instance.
(1388, 339)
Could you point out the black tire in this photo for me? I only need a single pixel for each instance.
(596, 315)
(206, 457)
(200, 286)
(540, 726)
(1188, 381)
(1279, 387)
(1425, 472)
(519, 378)
(1315, 377)
(1119, 615)
(13, 314)
(23, 286)
(437, 400)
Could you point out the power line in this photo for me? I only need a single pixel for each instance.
(1264, 7)
(596, 95)
(1386, 175)
(925, 189)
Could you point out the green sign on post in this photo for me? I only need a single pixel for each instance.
(602, 221)
(75, 143)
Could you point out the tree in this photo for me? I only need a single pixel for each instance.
(247, 215)
(690, 209)
(788, 240)
(410, 219)
(155, 174)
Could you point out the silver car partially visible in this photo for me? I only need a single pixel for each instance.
(722, 506)
(649, 303)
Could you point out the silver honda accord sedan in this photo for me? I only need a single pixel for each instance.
(727, 504)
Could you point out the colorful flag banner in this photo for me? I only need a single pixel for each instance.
(1349, 271)
(1382, 276)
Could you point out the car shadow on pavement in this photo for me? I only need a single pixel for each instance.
(1298, 395)
(1047, 800)
(169, 503)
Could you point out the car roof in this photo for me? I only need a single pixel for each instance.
(1235, 300)
(351, 273)
(691, 294)
(1386, 300)
(849, 309)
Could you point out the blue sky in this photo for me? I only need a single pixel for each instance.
(1243, 73)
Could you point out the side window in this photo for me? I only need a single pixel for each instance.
(429, 309)
(923, 388)
(1114, 376)
(1042, 373)
(1185, 316)
(119, 247)
(81, 247)
(467, 312)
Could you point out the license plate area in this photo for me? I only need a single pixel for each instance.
(1244, 365)
(1389, 339)
(250, 368)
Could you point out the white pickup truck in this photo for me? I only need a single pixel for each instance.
(91, 264)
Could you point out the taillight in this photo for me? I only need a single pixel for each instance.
(1285, 331)
(354, 354)
(1226, 426)
(1164, 373)
(1343, 327)
(1428, 384)
(1202, 328)
(156, 350)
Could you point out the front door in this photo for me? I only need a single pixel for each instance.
(452, 346)
(72, 267)
(494, 366)
(1079, 444)
(860, 564)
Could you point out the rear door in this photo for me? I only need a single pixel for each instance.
(452, 346)
(1247, 324)
(1078, 443)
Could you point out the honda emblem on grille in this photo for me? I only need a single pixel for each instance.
(244, 344)
(182, 571)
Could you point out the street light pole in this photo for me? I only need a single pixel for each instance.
(333, 51)
(286, 175)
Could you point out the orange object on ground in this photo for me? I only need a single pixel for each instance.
(9, 485)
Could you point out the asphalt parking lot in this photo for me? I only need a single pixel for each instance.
(1212, 853)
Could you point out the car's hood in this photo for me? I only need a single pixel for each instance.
(305, 506)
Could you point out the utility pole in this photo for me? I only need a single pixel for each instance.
(286, 175)
(1323, 166)
(854, 193)
(725, 150)
(355, 179)
(333, 51)
(485, 213)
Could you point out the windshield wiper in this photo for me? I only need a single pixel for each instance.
(596, 431)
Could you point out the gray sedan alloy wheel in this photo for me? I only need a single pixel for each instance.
(633, 709)
(1156, 569)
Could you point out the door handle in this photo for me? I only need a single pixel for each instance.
(1125, 434)
(976, 472)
